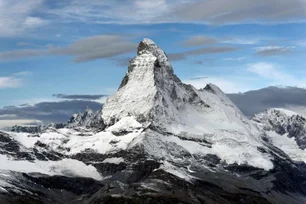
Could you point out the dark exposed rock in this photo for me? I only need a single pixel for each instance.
(30, 129)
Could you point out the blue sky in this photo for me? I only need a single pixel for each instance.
(82, 47)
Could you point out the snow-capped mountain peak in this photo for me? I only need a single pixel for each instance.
(149, 46)
(155, 97)
(150, 91)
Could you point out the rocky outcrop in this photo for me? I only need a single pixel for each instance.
(283, 122)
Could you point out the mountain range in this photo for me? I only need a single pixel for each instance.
(158, 140)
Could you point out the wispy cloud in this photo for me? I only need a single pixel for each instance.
(10, 82)
(275, 74)
(21, 17)
(8, 123)
(269, 74)
(301, 43)
(90, 48)
(269, 71)
(237, 11)
(110, 11)
(202, 51)
(227, 84)
(79, 96)
(96, 47)
(199, 40)
(240, 41)
(235, 59)
(23, 74)
(17, 17)
(273, 50)
(161, 11)
(14, 81)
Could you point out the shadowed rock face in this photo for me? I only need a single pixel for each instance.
(156, 140)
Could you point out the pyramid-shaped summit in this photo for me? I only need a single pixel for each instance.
(150, 91)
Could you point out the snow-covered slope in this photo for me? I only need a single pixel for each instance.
(154, 95)
(286, 130)
(155, 138)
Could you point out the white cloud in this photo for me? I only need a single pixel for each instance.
(16, 16)
(33, 22)
(8, 116)
(275, 75)
(228, 85)
(255, 76)
(22, 122)
(298, 109)
(110, 11)
(240, 41)
(162, 11)
(269, 71)
(301, 43)
(13, 81)
(238, 11)
(273, 50)
(20, 16)
(236, 59)
(10, 82)
(23, 74)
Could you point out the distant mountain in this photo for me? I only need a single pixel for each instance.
(285, 129)
(87, 119)
(256, 101)
(156, 140)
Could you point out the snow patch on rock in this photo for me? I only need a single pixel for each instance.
(65, 167)
(114, 160)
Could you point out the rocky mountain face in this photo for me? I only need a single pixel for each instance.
(285, 129)
(156, 140)
(88, 119)
(27, 129)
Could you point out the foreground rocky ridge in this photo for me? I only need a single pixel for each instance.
(156, 140)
